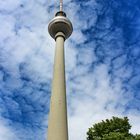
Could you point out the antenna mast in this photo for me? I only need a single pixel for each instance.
(61, 5)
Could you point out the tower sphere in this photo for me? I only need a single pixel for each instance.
(60, 23)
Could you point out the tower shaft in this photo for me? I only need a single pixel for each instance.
(57, 127)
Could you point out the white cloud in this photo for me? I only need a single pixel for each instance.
(93, 100)
(134, 121)
(5, 132)
(7, 28)
(9, 5)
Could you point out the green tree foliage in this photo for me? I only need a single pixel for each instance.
(113, 129)
(137, 137)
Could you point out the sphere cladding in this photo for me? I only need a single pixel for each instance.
(60, 24)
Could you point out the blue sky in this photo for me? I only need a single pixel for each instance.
(102, 65)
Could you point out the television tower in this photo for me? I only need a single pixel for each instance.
(60, 28)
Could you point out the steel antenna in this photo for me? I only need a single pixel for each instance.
(61, 5)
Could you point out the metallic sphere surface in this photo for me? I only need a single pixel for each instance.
(62, 24)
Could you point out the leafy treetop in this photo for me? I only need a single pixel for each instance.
(113, 129)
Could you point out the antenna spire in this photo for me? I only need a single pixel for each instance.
(61, 5)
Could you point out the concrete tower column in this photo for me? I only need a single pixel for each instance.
(58, 129)
(60, 28)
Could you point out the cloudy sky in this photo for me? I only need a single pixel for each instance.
(102, 65)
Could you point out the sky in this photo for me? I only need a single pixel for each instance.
(102, 59)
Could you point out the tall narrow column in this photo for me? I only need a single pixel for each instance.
(58, 112)
(60, 28)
